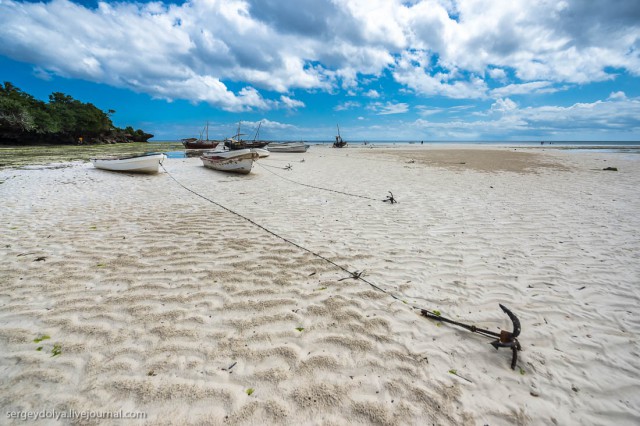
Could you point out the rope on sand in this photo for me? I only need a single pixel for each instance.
(325, 189)
(358, 275)
(287, 167)
(505, 339)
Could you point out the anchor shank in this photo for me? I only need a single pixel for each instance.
(471, 328)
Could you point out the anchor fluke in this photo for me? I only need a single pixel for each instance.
(509, 339)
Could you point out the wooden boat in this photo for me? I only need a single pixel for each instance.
(339, 143)
(238, 161)
(195, 143)
(235, 142)
(288, 147)
(144, 163)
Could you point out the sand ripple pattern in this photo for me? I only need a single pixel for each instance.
(152, 294)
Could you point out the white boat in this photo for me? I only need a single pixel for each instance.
(262, 153)
(288, 147)
(237, 161)
(144, 163)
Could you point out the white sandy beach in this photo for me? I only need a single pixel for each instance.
(151, 293)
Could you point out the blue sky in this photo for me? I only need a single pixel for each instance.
(381, 69)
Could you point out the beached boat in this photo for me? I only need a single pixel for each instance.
(339, 143)
(288, 147)
(195, 143)
(238, 161)
(144, 163)
(236, 142)
(262, 153)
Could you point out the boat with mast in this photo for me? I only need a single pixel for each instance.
(236, 142)
(339, 143)
(195, 143)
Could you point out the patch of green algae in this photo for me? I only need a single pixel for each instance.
(18, 156)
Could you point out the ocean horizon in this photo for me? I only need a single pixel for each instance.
(617, 147)
(418, 142)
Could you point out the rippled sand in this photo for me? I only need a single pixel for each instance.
(162, 302)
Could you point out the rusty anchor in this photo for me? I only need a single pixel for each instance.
(504, 339)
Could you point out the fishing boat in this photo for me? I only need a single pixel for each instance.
(237, 161)
(143, 163)
(236, 142)
(262, 153)
(195, 143)
(288, 147)
(339, 143)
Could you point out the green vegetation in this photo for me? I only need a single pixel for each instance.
(16, 156)
(57, 350)
(41, 338)
(25, 120)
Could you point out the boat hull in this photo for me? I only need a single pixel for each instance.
(200, 144)
(230, 161)
(233, 144)
(137, 164)
(262, 153)
(301, 147)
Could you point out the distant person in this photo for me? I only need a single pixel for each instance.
(421, 142)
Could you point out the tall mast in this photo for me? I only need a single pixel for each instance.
(257, 131)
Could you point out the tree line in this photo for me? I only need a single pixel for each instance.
(25, 120)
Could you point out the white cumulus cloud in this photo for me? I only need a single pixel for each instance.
(241, 55)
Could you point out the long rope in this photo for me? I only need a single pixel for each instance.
(318, 187)
(510, 339)
(287, 167)
(355, 274)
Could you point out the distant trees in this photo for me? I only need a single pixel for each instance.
(136, 135)
(63, 120)
(17, 109)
